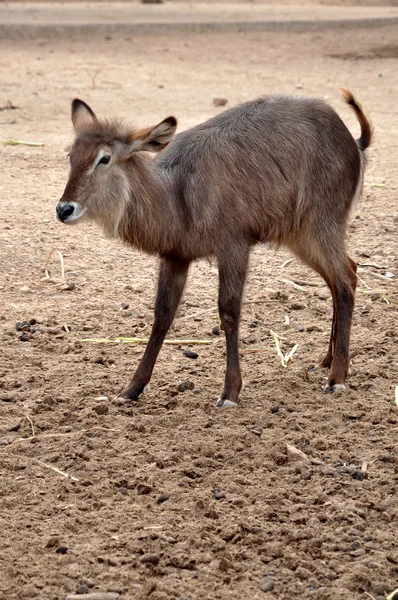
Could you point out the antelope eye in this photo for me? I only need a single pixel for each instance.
(105, 160)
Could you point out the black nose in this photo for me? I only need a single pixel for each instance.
(63, 212)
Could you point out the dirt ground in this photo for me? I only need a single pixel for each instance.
(139, 514)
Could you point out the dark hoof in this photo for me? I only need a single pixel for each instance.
(331, 389)
(131, 394)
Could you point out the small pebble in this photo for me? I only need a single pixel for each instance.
(124, 305)
(101, 409)
(190, 354)
(143, 489)
(70, 285)
(219, 101)
(218, 494)
(82, 589)
(88, 327)
(162, 498)
(216, 330)
(4, 442)
(150, 559)
(274, 409)
(266, 584)
(297, 306)
(123, 491)
(185, 385)
(16, 427)
(6, 398)
(24, 325)
(61, 550)
(196, 391)
(25, 337)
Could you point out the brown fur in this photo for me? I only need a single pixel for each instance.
(280, 169)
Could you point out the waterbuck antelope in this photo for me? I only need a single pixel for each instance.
(280, 169)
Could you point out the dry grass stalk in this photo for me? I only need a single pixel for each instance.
(61, 258)
(393, 595)
(284, 357)
(43, 464)
(295, 285)
(287, 262)
(45, 436)
(31, 424)
(20, 143)
(93, 76)
(376, 185)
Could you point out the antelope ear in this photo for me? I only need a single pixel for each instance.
(82, 115)
(154, 139)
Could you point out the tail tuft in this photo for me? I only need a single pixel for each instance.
(366, 125)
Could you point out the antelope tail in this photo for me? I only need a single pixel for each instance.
(366, 124)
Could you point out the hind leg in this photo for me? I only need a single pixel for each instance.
(339, 272)
(344, 286)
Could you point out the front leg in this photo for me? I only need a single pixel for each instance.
(172, 277)
(232, 268)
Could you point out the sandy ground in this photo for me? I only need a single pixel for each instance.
(140, 516)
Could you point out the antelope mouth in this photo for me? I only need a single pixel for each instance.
(69, 212)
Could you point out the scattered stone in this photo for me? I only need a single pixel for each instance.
(190, 354)
(152, 1)
(314, 328)
(216, 330)
(16, 427)
(218, 494)
(143, 489)
(100, 360)
(95, 596)
(274, 409)
(198, 319)
(256, 429)
(123, 491)
(294, 454)
(219, 101)
(6, 398)
(162, 498)
(266, 584)
(24, 325)
(70, 286)
(150, 559)
(4, 442)
(88, 327)
(101, 398)
(82, 589)
(185, 385)
(25, 337)
(196, 391)
(101, 409)
(224, 565)
(297, 306)
(124, 305)
(300, 328)
(61, 550)
(388, 459)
